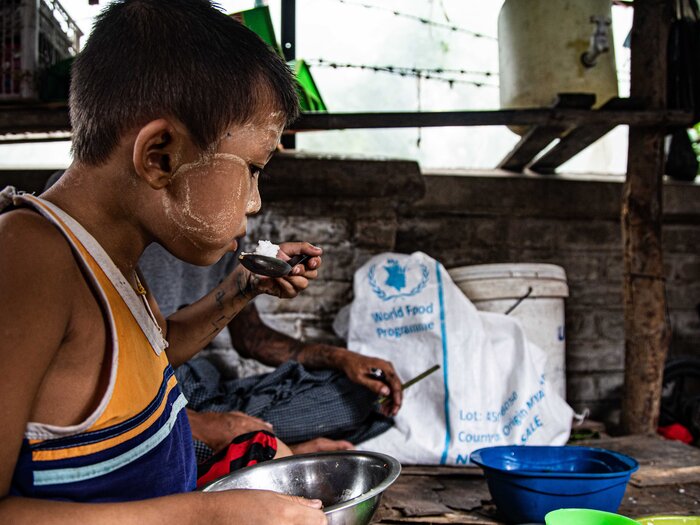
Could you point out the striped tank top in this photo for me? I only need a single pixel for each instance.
(137, 444)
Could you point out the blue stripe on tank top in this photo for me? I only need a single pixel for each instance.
(87, 438)
(85, 459)
(71, 475)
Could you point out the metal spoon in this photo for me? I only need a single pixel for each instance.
(270, 266)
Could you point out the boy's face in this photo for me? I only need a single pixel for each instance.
(208, 200)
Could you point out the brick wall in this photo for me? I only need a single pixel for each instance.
(350, 208)
(355, 208)
(465, 219)
(573, 223)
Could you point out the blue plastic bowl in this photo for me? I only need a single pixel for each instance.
(527, 482)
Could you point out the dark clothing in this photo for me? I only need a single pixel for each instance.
(300, 404)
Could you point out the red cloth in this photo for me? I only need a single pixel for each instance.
(676, 432)
(244, 451)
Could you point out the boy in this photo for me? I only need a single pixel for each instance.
(175, 110)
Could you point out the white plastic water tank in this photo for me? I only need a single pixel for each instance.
(540, 44)
(532, 293)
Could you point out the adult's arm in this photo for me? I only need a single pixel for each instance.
(252, 338)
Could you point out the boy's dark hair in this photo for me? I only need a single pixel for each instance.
(185, 59)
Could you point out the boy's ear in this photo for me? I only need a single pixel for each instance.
(157, 150)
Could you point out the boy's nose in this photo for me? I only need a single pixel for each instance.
(254, 201)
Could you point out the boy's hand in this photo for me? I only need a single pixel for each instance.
(261, 507)
(290, 285)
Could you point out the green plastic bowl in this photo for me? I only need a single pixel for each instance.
(669, 520)
(586, 517)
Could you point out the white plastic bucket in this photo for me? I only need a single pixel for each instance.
(532, 293)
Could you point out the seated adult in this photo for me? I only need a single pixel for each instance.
(319, 396)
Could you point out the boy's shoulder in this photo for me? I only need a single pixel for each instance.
(31, 245)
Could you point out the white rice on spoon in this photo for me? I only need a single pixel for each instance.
(267, 249)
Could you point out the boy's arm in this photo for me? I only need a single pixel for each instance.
(242, 507)
(33, 277)
(191, 328)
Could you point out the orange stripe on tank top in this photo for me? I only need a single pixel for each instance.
(84, 450)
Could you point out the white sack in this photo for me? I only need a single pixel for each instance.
(490, 389)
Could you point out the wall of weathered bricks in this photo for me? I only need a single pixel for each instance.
(463, 219)
(348, 207)
(574, 224)
(356, 208)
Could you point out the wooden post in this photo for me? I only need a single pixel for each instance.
(30, 48)
(289, 48)
(647, 334)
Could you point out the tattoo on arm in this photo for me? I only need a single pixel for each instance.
(228, 312)
(219, 299)
(217, 325)
(252, 338)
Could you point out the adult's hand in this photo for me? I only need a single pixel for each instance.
(290, 285)
(359, 369)
(217, 429)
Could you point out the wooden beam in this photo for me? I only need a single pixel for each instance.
(502, 117)
(26, 118)
(578, 139)
(647, 332)
(539, 137)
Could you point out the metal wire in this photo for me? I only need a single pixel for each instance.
(428, 74)
(432, 23)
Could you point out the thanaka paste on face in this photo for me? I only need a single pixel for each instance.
(212, 226)
(272, 134)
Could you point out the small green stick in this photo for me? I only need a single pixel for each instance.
(411, 382)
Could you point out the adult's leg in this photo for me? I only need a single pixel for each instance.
(303, 404)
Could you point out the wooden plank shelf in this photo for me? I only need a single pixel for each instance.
(54, 117)
(502, 117)
(37, 118)
(571, 114)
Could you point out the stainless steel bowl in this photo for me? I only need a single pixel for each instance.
(350, 483)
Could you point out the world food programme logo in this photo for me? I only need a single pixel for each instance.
(396, 280)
